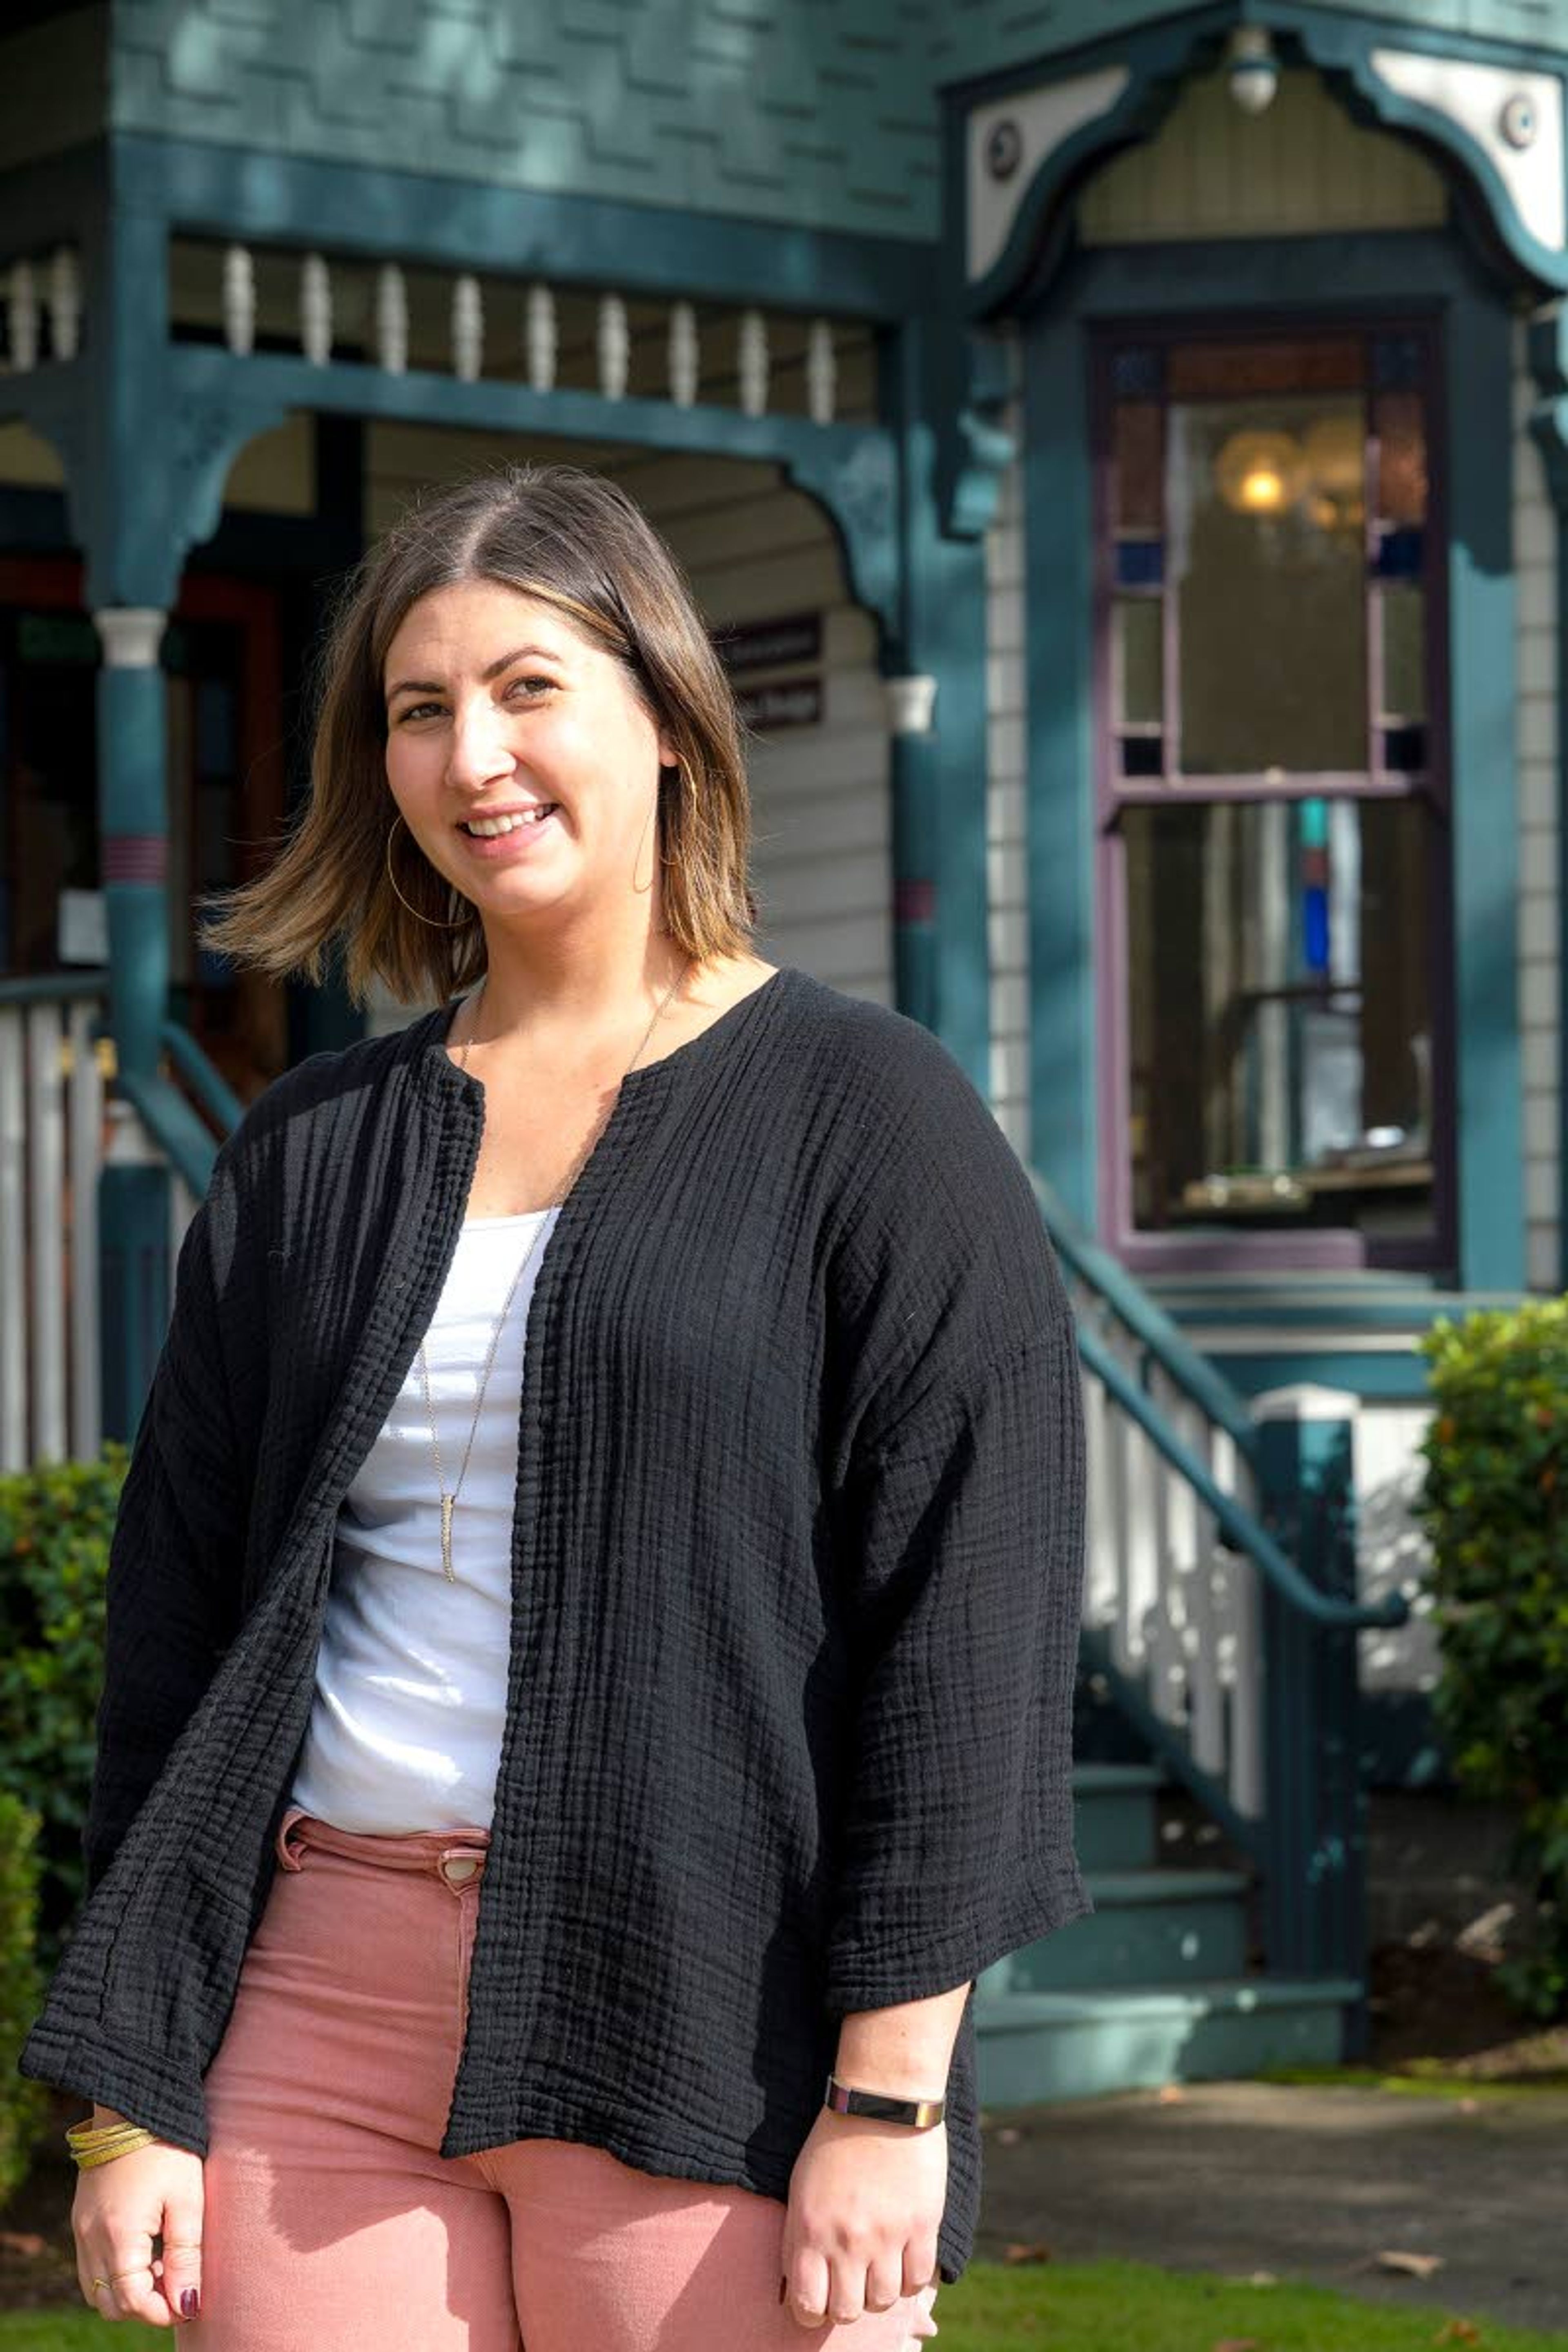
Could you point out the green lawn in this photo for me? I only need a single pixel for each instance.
(1069, 2307)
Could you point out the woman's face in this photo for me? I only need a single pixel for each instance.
(498, 704)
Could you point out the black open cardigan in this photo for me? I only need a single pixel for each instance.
(797, 1566)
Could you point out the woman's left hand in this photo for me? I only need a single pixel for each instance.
(866, 2200)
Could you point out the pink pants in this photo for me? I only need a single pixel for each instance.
(330, 2217)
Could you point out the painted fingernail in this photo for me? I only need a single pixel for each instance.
(190, 2303)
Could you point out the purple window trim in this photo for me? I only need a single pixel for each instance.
(1231, 1248)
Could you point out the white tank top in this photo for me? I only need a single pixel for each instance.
(411, 1675)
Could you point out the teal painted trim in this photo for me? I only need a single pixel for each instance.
(1341, 48)
(135, 1280)
(1397, 1376)
(1161, 57)
(1482, 698)
(1158, 59)
(134, 801)
(852, 469)
(55, 987)
(1322, 277)
(1382, 1307)
(1314, 1871)
(417, 217)
(1060, 789)
(940, 883)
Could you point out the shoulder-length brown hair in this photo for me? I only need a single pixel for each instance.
(571, 539)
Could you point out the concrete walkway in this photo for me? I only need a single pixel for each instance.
(1307, 2183)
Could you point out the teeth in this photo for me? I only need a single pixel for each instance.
(487, 828)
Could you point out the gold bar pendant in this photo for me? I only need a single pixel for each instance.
(447, 1503)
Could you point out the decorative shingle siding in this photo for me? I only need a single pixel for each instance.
(813, 111)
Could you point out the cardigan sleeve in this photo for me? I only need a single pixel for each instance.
(962, 1528)
(171, 1599)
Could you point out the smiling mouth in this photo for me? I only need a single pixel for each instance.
(495, 828)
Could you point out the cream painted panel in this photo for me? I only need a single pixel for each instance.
(27, 461)
(1296, 170)
(276, 473)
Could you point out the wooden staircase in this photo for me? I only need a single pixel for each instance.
(1156, 1985)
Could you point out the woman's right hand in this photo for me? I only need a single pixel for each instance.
(118, 2209)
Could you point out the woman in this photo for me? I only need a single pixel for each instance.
(592, 1608)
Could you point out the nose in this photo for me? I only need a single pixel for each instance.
(478, 750)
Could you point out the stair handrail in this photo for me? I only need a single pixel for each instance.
(1248, 1535)
(207, 1080)
(1161, 1338)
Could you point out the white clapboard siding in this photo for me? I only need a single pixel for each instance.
(1537, 721)
(1006, 867)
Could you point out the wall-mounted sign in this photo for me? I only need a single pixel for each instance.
(770, 645)
(791, 702)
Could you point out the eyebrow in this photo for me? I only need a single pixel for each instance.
(428, 685)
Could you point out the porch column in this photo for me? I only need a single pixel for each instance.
(133, 817)
(911, 699)
(133, 823)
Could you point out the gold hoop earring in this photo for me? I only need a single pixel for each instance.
(433, 921)
(642, 888)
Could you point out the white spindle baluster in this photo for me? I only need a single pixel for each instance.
(13, 1238)
(685, 355)
(85, 1125)
(821, 372)
(23, 294)
(615, 346)
(754, 362)
(47, 1233)
(542, 340)
(392, 319)
(64, 303)
(467, 327)
(315, 311)
(239, 298)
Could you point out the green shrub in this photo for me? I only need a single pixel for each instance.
(1495, 1507)
(55, 1527)
(23, 2103)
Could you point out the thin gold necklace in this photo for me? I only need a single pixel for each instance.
(449, 1496)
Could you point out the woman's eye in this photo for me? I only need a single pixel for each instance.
(415, 711)
(535, 685)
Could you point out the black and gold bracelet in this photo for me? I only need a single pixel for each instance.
(846, 2101)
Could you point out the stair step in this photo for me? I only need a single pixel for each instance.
(1113, 1814)
(1155, 1886)
(1078, 2043)
(1089, 1779)
(1148, 1927)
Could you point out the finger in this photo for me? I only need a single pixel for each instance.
(920, 2264)
(131, 2291)
(805, 2293)
(846, 2290)
(184, 2213)
(884, 2283)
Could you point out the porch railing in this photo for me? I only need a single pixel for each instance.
(53, 1137)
